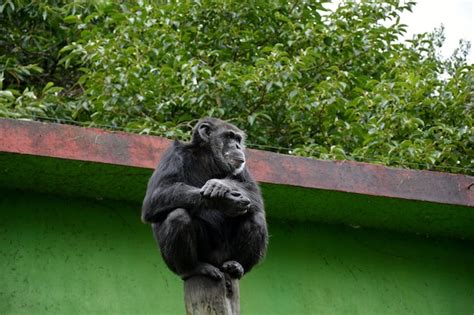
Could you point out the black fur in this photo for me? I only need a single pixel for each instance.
(206, 211)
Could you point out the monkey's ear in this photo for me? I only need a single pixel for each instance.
(204, 131)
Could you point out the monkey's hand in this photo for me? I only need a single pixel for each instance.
(215, 188)
(227, 199)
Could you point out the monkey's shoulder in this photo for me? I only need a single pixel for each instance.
(174, 152)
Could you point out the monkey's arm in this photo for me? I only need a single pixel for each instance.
(167, 191)
(163, 199)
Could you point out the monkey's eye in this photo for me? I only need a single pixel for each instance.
(232, 135)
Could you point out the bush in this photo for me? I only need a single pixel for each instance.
(297, 78)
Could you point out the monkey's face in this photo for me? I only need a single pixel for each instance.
(225, 141)
(232, 153)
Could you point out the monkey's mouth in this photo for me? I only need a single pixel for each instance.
(237, 162)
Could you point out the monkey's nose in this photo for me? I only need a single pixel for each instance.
(238, 162)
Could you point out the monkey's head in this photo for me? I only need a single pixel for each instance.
(225, 141)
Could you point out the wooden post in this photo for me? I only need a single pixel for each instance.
(205, 296)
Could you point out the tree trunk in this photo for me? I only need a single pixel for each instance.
(205, 296)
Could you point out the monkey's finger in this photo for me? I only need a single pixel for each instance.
(208, 190)
(222, 193)
(205, 190)
(215, 192)
(216, 274)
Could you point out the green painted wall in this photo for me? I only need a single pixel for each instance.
(105, 181)
(62, 255)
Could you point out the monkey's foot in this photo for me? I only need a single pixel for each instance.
(233, 268)
(204, 269)
(240, 202)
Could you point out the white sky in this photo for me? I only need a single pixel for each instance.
(457, 16)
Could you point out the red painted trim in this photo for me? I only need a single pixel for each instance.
(84, 144)
(96, 145)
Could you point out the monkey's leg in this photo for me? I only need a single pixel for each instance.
(249, 243)
(178, 243)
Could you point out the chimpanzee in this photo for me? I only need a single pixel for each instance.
(205, 208)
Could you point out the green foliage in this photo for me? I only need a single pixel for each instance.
(298, 78)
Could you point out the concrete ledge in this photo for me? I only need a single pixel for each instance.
(118, 148)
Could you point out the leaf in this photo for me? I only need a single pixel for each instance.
(48, 86)
(72, 19)
(7, 94)
(251, 119)
(293, 94)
